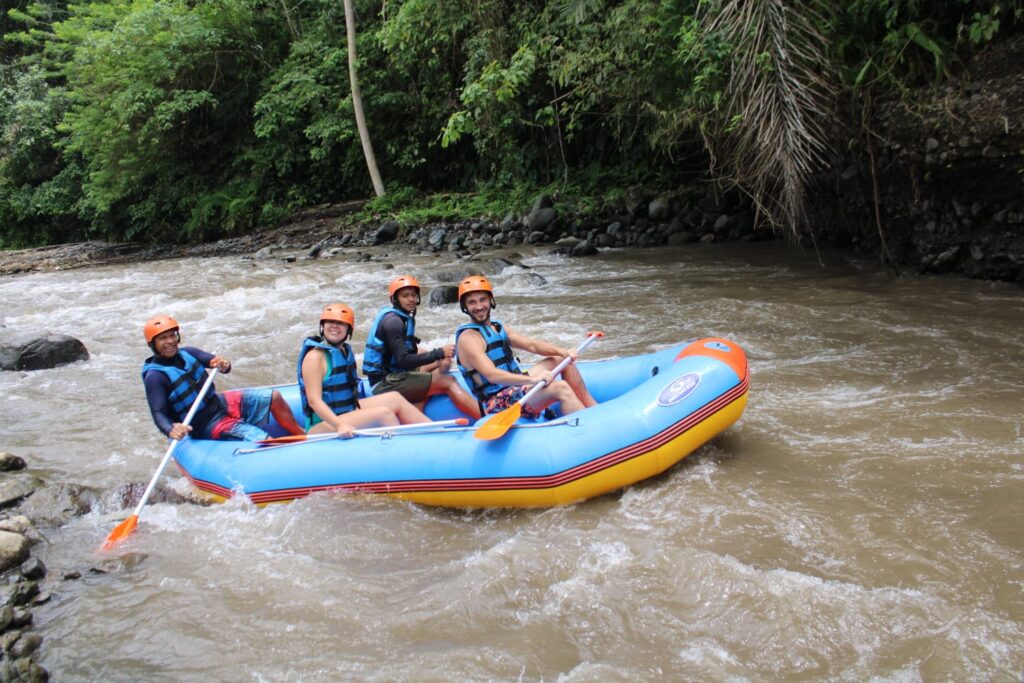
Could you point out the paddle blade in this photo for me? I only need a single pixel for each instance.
(291, 438)
(496, 427)
(120, 532)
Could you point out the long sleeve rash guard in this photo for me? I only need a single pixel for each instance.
(158, 389)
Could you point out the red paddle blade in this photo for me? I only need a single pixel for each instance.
(120, 532)
(496, 427)
(283, 439)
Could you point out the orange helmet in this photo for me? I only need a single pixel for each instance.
(475, 283)
(339, 313)
(402, 281)
(158, 324)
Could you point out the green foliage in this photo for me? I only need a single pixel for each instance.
(184, 120)
(897, 43)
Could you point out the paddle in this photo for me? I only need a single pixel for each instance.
(387, 432)
(370, 431)
(125, 528)
(500, 423)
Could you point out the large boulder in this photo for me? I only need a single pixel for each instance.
(443, 294)
(46, 351)
(56, 504)
(387, 232)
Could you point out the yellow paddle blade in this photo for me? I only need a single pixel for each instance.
(499, 424)
(120, 532)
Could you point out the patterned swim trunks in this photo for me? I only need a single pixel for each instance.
(243, 410)
(506, 397)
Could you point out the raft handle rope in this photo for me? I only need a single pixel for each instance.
(386, 433)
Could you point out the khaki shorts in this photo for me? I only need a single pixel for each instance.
(414, 386)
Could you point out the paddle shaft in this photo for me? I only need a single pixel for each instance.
(418, 428)
(557, 369)
(175, 442)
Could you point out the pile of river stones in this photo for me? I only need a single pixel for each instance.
(24, 574)
(28, 507)
(649, 223)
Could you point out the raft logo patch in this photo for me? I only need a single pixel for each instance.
(679, 389)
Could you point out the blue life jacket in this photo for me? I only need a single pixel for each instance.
(378, 361)
(498, 349)
(185, 383)
(340, 386)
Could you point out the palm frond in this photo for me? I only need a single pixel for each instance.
(772, 135)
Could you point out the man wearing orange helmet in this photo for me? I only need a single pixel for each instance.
(329, 384)
(392, 362)
(484, 353)
(173, 376)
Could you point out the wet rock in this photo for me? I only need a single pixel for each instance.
(449, 275)
(584, 248)
(19, 524)
(264, 253)
(437, 238)
(118, 563)
(536, 237)
(659, 209)
(128, 495)
(18, 594)
(71, 575)
(6, 617)
(21, 617)
(46, 351)
(13, 550)
(445, 294)
(23, 670)
(33, 569)
(13, 489)
(26, 645)
(55, 504)
(538, 220)
(10, 462)
(527, 280)
(387, 232)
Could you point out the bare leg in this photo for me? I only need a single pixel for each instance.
(283, 414)
(360, 418)
(463, 400)
(559, 390)
(406, 412)
(574, 379)
(571, 375)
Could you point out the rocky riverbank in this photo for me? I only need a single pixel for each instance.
(29, 506)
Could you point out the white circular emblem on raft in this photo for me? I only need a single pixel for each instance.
(679, 389)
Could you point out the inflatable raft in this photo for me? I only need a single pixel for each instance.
(654, 410)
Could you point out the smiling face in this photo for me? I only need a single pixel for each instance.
(408, 298)
(478, 304)
(335, 332)
(165, 344)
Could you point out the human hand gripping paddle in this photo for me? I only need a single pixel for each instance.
(125, 528)
(499, 423)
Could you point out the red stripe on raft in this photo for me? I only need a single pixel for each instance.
(497, 483)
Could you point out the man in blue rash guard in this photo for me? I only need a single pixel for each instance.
(173, 377)
(392, 360)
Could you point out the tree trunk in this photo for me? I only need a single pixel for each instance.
(357, 101)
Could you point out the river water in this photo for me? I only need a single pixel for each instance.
(863, 519)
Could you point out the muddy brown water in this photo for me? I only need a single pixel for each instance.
(861, 521)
